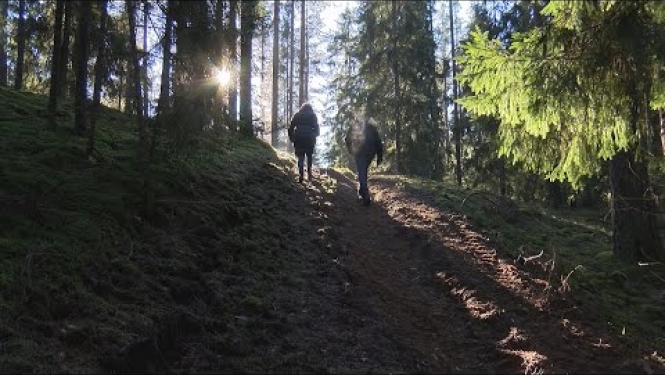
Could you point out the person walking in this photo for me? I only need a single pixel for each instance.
(364, 143)
(303, 131)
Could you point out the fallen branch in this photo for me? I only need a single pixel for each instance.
(658, 277)
(533, 257)
(477, 193)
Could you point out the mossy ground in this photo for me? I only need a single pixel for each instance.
(85, 280)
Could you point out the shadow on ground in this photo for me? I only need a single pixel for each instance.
(445, 291)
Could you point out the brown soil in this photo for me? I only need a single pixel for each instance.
(402, 286)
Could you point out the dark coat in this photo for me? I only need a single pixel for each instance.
(304, 129)
(363, 140)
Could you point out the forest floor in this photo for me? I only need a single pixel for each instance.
(426, 291)
(243, 270)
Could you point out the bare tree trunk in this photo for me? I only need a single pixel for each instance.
(70, 84)
(20, 41)
(662, 130)
(396, 88)
(264, 33)
(634, 221)
(246, 31)
(144, 71)
(301, 71)
(136, 86)
(143, 151)
(456, 126)
(4, 14)
(306, 79)
(446, 124)
(121, 88)
(164, 91)
(100, 75)
(64, 50)
(55, 68)
(292, 55)
(233, 55)
(275, 76)
(634, 229)
(129, 88)
(82, 41)
(502, 177)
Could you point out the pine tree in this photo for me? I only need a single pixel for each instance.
(571, 96)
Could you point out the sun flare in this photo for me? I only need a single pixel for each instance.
(223, 77)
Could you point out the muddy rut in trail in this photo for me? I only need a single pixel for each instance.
(445, 298)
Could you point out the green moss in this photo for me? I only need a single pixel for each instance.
(77, 252)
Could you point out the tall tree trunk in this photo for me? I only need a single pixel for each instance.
(82, 42)
(121, 88)
(446, 124)
(20, 41)
(246, 32)
(143, 151)
(233, 55)
(55, 60)
(306, 79)
(396, 89)
(634, 222)
(661, 117)
(100, 75)
(503, 184)
(275, 76)
(456, 126)
(301, 71)
(292, 55)
(71, 84)
(164, 91)
(64, 50)
(264, 34)
(634, 228)
(129, 88)
(555, 193)
(4, 16)
(144, 71)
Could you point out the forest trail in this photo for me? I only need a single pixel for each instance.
(443, 299)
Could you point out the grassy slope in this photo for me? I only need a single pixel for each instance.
(84, 283)
(630, 298)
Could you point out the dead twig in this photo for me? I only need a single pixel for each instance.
(658, 277)
(526, 260)
(565, 286)
(477, 193)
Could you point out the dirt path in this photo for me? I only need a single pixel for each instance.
(426, 292)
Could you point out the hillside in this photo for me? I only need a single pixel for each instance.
(244, 270)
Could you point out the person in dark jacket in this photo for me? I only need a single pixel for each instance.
(364, 143)
(303, 131)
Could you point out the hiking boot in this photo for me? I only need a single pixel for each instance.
(300, 180)
(366, 201)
